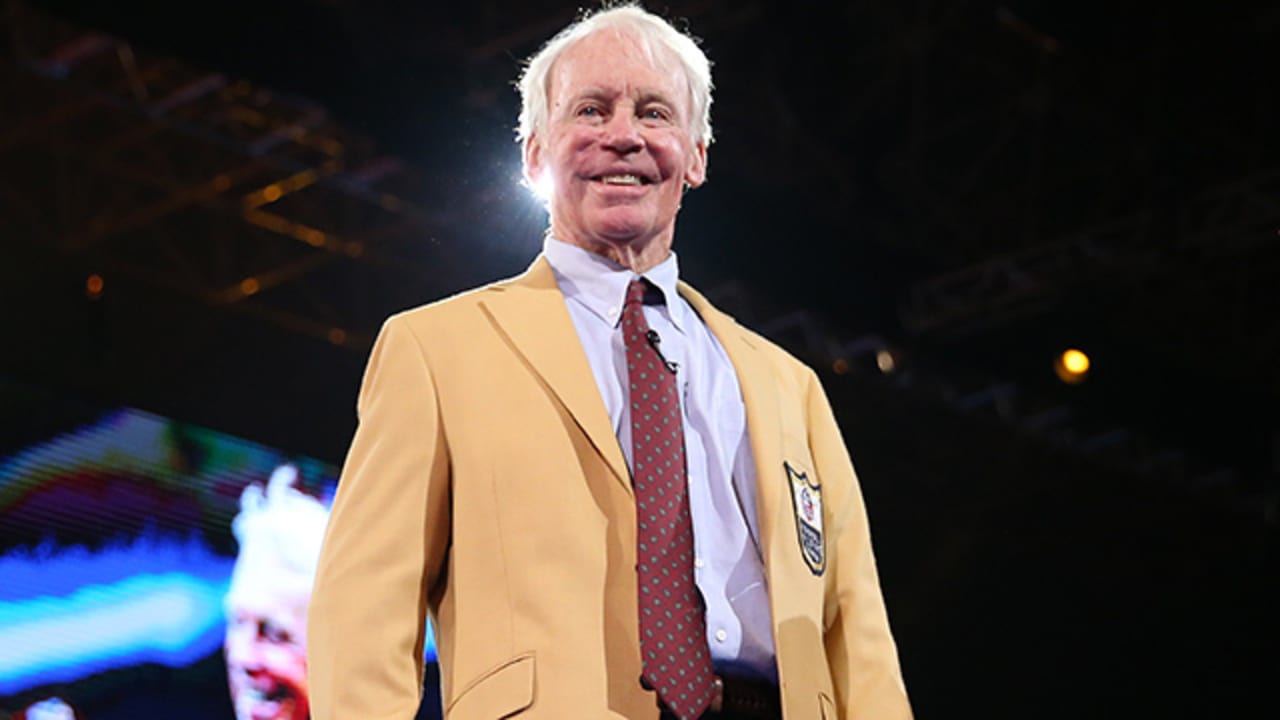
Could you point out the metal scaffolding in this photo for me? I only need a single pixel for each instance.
(142, 167)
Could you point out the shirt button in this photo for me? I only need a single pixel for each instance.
(697, 562)
(721, 636)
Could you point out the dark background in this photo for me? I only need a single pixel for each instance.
(972, 186)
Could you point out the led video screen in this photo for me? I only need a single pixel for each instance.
(152, 569)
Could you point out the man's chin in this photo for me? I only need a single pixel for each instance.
(262, 709)
(624, 229)
(621, 222)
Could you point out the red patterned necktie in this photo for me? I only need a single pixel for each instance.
(673, 637)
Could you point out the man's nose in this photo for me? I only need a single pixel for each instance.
(622, 134)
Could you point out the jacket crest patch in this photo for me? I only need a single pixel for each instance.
(806, 500)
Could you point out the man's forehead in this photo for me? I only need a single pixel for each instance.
(653, 66)
(262, 577)
(621, 88)
(268, 600)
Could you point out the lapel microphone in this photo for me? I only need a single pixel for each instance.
(654, 341)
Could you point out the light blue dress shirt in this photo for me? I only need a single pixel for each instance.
(728, 566)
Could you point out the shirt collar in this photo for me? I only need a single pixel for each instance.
(600, 284)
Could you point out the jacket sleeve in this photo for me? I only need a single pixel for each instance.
(384, 545)
(860, 648)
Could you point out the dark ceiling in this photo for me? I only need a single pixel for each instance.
(976, 185)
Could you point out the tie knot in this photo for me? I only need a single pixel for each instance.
(637, 290)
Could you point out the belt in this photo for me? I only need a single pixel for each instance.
(741, 698)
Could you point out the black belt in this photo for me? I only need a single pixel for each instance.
(741, 698)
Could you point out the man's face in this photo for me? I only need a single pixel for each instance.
(266, 651)
(616, 148)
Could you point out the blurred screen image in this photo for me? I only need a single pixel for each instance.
(150, 568)
(279, 530)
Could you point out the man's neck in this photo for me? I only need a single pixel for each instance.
(638, 257)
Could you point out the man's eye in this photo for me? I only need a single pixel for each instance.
(654, 114)
(590, 111)
(275, 633)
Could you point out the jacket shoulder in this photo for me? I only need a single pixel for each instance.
(779, 356)
(728, 329)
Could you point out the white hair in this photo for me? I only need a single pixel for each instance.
(652, 33)
(281, 526)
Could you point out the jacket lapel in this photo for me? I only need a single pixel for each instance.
(759, 395)
(530, 311)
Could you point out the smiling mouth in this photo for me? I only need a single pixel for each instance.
(273, 694)
(625, 179)
(264, 704)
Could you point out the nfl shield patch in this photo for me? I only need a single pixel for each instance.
(806, 500)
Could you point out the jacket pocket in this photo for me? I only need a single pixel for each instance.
(501, 692)
(828, 707)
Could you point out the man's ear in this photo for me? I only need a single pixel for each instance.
(696, 174)
(531, 153)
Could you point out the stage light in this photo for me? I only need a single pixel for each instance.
(249, 286)
(337, 336)
(886, 361)
(93, 286)
(840, 366)
(1072, 366)
(272, 193)
(1075, 362)
(543, 187)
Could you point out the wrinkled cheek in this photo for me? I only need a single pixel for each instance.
(234, 649)
(576, 155)
(290, 668)
(569, 197)
(670, 200)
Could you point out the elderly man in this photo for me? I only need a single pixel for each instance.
(279, 531)
(612, 500)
